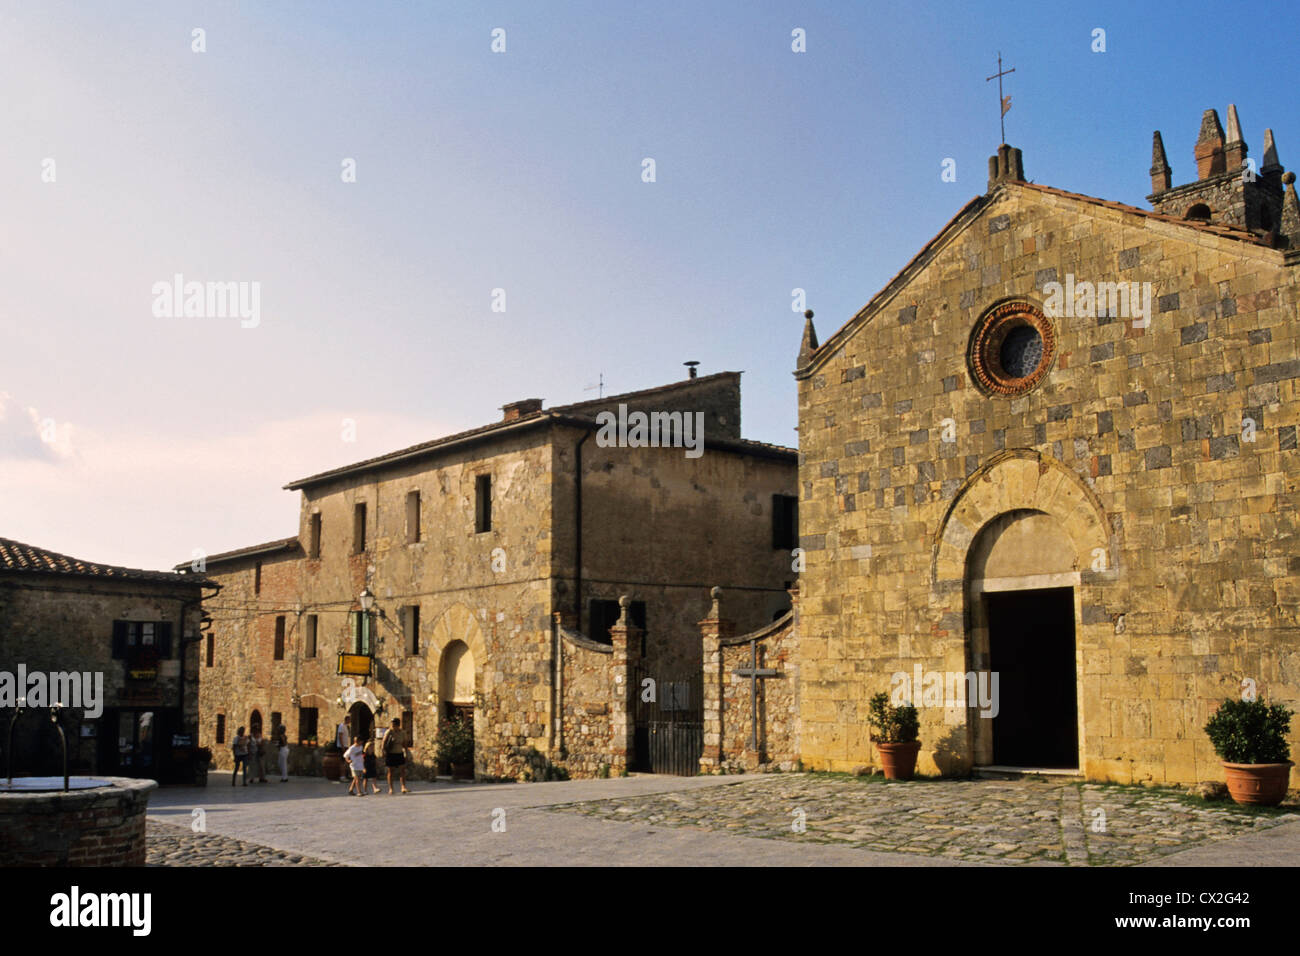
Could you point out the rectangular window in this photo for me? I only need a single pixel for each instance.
(313, 537)
(310, 637)
(411, 628)
(361, 631)
(221, 728)
(359, 527)
(603, 615)
(785, 522)
(133, 640)
(408, 727)
(257, 578)
(275, 721)
(307, 717)
(279, 638)
(412, 517)
(482, 503)
(211, 649)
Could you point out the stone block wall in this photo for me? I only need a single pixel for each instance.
(1170, 446)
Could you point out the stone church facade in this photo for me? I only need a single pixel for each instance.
(494, 561)
(1009, 465)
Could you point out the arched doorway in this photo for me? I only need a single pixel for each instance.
(255, 723)
(456, 682)
(363, 721)
(1021, 582)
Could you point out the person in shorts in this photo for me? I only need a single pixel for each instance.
(356, 756)
(395, 755)
(372, 772)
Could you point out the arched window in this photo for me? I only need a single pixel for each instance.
(1199, 213)
(255, 723)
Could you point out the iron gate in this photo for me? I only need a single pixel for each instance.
(669, 731)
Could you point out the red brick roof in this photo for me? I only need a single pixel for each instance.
(16, 557)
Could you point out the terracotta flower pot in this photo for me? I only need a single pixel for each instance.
(332, 766)
(899, 760)
(1257, 784)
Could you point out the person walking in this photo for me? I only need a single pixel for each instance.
(258, 751)
(343, 733)
(395, 755)
(239, 750)
(372, 772)
(356, 756)
(282, 749)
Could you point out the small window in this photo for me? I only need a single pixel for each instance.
(1198, 213)
(257, 578)
(482, 503)
(412, 517)
(221, 728)
(142, 640)
(408, 726)
(359, 527)
(411, 628)
(310, 637)
(211, 649)
(313, 537)
(307, 718)
(279, 638)
(785, 522)
(275, 721)
(255, 723)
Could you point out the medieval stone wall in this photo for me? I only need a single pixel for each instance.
(1166, 452)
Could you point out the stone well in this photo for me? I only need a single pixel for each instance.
(99, 822)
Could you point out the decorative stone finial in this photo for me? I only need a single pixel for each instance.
(809, 344)
(1161, 173)
(623, 602)
(1270, 161)
(715, 611)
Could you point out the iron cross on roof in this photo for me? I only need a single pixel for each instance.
(1003, 101)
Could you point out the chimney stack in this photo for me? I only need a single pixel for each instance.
(1209, 152)
(517, 410)
(691, 368)
(1006, 167)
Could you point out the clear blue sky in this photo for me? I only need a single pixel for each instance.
(520, 171)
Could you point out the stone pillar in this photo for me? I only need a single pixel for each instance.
(556, 741)
(713, 629)
(626, 638)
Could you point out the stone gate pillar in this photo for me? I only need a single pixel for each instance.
(713, 629)
(626, 638)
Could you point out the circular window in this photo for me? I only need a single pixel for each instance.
(1012, 349)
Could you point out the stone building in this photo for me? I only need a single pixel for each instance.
(117, 646)
(481, 572)
(1011, 465)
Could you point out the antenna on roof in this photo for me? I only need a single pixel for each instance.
(599, 385)
(691, 366)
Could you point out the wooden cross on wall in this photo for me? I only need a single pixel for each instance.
(755, 674)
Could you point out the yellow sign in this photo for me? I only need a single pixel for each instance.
(355, 665)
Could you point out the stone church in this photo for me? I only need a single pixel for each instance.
(1049, 478)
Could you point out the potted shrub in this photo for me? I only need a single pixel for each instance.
(456, 748)
(1250, 738)
(332, 761)
(894, 731)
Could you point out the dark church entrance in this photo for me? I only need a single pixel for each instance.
(362, 721)
(1031, 648)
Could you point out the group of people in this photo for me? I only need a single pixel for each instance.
(361, 758)
(250, 753)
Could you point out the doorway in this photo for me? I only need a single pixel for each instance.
(1032, 650)
(362, 721)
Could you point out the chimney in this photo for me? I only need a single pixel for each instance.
(1235, 148)
(691, 367)
(1006, 167)
(517, 410)
(1210, 158)
(1161, 174)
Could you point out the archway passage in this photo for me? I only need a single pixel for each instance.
(1031, 649)
(362, 721)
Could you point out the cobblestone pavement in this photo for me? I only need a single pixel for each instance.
(179, 846)
(973, 821)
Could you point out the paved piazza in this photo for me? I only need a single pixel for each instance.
(700, 821)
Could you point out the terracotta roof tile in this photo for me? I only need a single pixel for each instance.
(17, 557)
